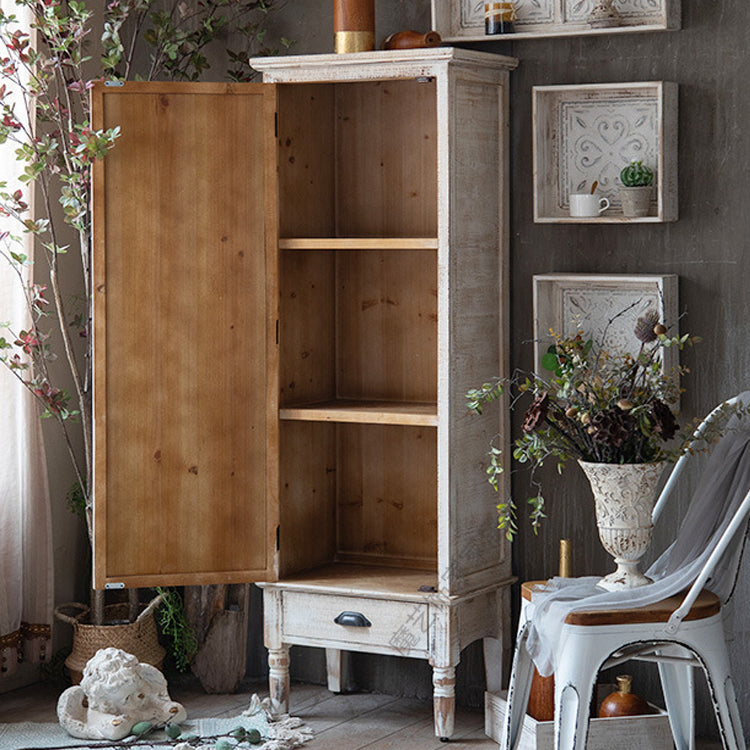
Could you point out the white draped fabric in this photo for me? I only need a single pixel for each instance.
(722, 487)
(25, 526)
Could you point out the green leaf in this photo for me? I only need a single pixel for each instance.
(142, 727)
(550, 361)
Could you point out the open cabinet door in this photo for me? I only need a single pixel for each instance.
(185, 355)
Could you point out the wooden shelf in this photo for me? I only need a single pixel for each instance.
(586, 133)
(548, 33)
(463, 20)
(364, 412)
(358, 243)
(372, 580)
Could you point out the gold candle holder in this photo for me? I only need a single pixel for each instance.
(566, 558)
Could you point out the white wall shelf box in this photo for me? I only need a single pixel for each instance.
(463, 20)
(649, 732)
(340, 290)
(587, 133)
(567, 303)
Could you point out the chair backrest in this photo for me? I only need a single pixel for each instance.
(720, 415)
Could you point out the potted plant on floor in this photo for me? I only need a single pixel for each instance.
(45, 78)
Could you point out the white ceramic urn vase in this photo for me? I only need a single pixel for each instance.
(624, 495)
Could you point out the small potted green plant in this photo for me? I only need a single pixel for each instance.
(637, 186)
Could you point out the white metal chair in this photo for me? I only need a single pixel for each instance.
(678, 633)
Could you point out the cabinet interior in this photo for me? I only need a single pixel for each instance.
(358, 325)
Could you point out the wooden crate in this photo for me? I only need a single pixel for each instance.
(463, 20)
(587, 133)
(642, 732)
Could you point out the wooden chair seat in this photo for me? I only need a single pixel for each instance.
(706, 605)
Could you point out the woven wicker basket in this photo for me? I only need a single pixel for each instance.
(138, 638)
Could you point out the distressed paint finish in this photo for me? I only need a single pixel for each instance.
(587, 134)
(463, 20)
(416, 321)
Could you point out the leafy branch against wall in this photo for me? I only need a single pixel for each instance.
(178, 35)
(45, 79)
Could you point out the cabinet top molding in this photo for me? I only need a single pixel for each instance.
(395, 63)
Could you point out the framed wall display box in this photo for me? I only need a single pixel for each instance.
(586, 134)
(322, 289)
(463, 20)
(605, 308)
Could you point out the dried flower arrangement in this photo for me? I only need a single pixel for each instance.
(597, 406)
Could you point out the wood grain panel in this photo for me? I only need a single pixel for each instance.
(387, 495)
(387, 325)
(365, 412)
(310, 618)
(359, 243)
(306, 326)
(386, 159)
(306, 160)
(307, 466)
(181, 334)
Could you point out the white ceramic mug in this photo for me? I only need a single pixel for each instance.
(585, 204)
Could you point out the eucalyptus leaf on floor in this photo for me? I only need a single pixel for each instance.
(286, 733)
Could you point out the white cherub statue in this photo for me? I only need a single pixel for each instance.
(116, 693)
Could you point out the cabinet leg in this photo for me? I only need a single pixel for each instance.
(493, 664)
(444, 700)
(278, 679)
(336, 668)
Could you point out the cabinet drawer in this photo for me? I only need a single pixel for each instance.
(401, 626)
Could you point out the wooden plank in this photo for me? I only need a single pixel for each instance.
(386, 325)
(402, 584)
(386, 159)
(706, 605)
(310, 618)
(364, 412)
(307, 467)
(306, 159)
(561, 33)
(386, 490)
(358, 243)
(176, 460)
(307, 308)
(474, 327)
(649, 732)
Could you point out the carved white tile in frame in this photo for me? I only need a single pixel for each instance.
(463, 20)
(605, 308)
(588, 133)
(598, 138)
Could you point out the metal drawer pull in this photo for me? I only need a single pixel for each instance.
(352, 619)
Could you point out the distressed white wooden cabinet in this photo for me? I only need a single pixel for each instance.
(463, 20)
(295, 284)
(587, 133)
(393, 301)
